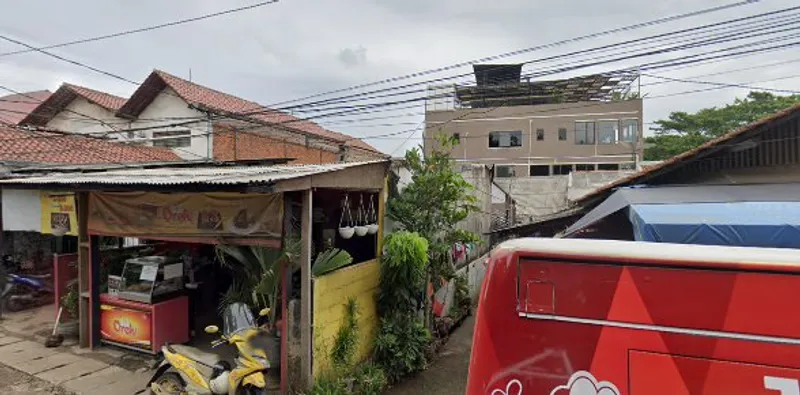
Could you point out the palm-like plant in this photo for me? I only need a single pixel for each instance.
(256, 281)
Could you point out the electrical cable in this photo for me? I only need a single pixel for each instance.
(526, 50)
(145, 29)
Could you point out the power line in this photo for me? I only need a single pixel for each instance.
(714, 40)
(658, 37)
(526, 50)
(726, 85)
(144, 29)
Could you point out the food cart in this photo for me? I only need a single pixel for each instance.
(149, 308)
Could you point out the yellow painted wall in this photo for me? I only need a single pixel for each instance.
(331, 293)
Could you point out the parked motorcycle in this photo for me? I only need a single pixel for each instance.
(188, 371)
(19, 291)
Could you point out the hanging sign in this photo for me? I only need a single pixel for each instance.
(58, 214)
(186, 214)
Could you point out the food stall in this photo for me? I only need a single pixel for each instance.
(147, 307)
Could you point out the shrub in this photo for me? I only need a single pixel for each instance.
(402, 273)
(370, 380)
(400, 346)
(328, 386)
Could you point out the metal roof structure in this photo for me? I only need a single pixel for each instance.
(183, 178)
(596, 87)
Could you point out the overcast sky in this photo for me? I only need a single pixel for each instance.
(296, 48)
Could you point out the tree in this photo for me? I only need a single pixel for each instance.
(682, 131)
(432, 204)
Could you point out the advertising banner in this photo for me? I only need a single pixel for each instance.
(58, 214)
(186, 214)
(125, 326)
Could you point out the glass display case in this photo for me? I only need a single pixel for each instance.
(151, 279)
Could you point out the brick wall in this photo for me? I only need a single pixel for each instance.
(331, 293)
(249, 145)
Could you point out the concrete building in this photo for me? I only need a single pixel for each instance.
(547, 141)
(195, 122)
(541, 128)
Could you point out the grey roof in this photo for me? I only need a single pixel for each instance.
(211, 175)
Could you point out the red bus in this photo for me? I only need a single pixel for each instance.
(605, 317)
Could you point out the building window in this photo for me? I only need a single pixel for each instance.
(505, 139)
(539, 134)
(172, 139)
(584, 133)
(504, 171)
(456, 138)
(562, 170)
(628, 130)
(540, 170)
(584, 167)
(607, 132)
(608, 166)
(562, 134)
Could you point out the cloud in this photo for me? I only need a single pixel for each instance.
(353, 57)
(293, 49)
(584, 383)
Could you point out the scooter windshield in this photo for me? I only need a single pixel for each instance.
(237, 318)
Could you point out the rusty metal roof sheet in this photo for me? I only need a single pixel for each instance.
(212, 175)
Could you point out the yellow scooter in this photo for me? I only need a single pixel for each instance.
(189, 371)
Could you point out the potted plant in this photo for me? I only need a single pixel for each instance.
(346, 228)
(257, 284)
(361, 222)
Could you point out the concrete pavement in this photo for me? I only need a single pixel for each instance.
(78, 371)
(75, 373)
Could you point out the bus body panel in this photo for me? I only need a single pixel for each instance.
(583, 326)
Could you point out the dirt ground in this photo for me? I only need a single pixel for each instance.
(448, 374)
(13, 382)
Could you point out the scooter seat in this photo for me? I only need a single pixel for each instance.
(196, 355)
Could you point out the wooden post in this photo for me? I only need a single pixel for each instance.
(84, 310)
(305, 289)
(382, 196)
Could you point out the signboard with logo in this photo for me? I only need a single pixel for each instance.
(125, 326)
(186, 214)
(58, 214)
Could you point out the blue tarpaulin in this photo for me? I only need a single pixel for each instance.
(753, 224)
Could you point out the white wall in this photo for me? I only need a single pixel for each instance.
(165, 106)
(69, 121)
(22, 210)
(169, 105)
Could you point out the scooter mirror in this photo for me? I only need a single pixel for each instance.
(212, 329)
(264, 312)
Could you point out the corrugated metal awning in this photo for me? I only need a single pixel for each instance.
(176, 176)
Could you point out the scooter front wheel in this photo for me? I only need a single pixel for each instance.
(250, 390)
(169, 383)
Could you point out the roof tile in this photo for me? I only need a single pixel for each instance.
(18, 145)
(14, 108)
(198, 94)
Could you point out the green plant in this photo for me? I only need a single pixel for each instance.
(329, 386)
(370, 379)
(433, 204)
(256, 281)
(69, 301)
(346, 340)
(400, 346)
(402, 273)
(461, 300)
(330, 260)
